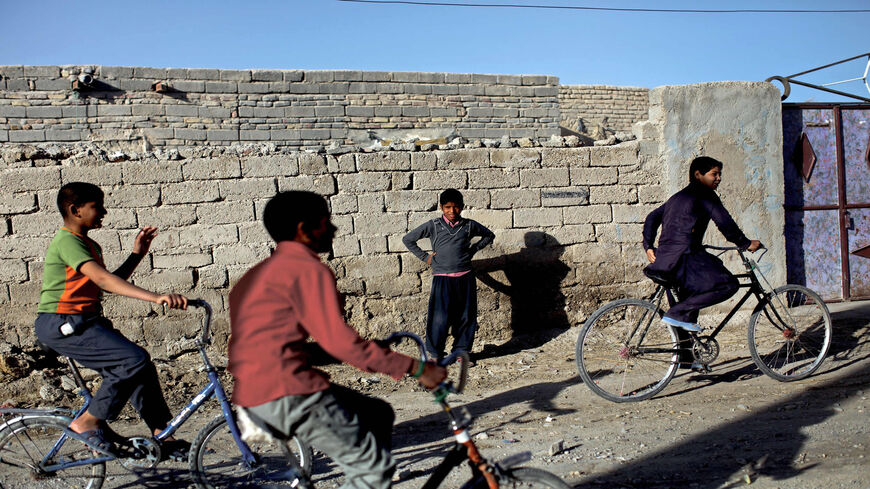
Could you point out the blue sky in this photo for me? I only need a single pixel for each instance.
(580, 47)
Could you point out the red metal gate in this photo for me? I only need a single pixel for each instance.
(827, 198)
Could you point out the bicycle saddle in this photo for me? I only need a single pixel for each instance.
(658, 277)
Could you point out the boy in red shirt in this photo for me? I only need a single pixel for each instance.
(70, 320)
(274, 309)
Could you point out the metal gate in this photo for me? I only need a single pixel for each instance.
(827, 198)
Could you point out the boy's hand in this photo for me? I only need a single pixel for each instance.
(429, 260)
(143, 240)
(432, 375)
(651, 255)
(754, 245)
(174, 301)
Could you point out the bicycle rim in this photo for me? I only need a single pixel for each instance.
(217, 462)
(24, 445)
(521, 478)
(610, 359)
(790, 335)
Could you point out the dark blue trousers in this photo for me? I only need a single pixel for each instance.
(702, 281)
(126, 368)
(453, 309)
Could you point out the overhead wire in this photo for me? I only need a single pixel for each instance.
(609, 9)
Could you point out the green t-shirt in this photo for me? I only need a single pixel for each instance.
(65, 290)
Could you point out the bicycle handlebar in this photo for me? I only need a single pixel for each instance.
(205, 338)
(729, 248)
(460, 355)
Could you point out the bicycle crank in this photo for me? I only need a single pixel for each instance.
(140, 453)
(705, 349)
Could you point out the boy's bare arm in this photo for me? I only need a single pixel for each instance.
(116, 285)
(140, 248)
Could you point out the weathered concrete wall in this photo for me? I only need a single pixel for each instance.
(566, 220)
(615, 109)
(740, 124)
(288, 107)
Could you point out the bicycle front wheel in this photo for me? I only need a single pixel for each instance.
(624, 353)
(790, 334)
(216, 461)
(25, 445)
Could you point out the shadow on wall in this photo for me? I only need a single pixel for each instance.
(532, 280)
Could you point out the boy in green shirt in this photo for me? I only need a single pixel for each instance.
(70, 319)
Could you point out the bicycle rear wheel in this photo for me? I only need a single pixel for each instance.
(522, 478)
(216, 461)
(790, 335)
(24, 445)
(624, 353)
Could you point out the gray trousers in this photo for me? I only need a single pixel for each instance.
(353, 429)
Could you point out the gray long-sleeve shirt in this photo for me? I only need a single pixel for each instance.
(452, 245)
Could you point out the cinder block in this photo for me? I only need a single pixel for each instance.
(515, 158)
(267, 75)
(593, 176)
(182, 110)
(364, 182)
(62, 135)
(544, 177)
(166, 216)
(413, 200)
(492, 219)
(13, 270)
(631, 213)
(249, 189)
(211, 168)
(106, 174)
(372, 266)
(222, 134)
(384, 161)
(423, 161)
(329, 111)
(649, 194)
(151, 73)
(12, 111)
(299, 111)
(16, 203)
(440, 180)
(254, 135)
(240, 254)
(182, 260)
(36, 224)
(493, 178)
(322, 184)
(190, 192)
(343, 204)
(572, 234)
(527, 218)
(359, 111)
(43, 112)
(148, 110)
(311, 164)
(57, 84)
(141, 172)
(235, 75)
(221, 87)
(564, 196)
(463, 159)
(30, 179)
(42, 71)
(345, 246)
(133, 195)
(190, 134)
(624, 154)
(188, 86)
(209, 235)
(270, 166)
(619, 233)
(515, 198)
(613, 194)
(565, 157)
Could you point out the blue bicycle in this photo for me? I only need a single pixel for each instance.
(37, 449)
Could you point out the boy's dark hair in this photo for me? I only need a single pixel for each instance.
(451, 195)
(703, 164)
(286, 210)
(77, 194)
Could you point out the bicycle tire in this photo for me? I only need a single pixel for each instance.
(215, 461)
(24, 443)
(521, 478)
(793, 352)
(620, 370)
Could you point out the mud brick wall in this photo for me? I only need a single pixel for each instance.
(616, 109)
(567, 222)
(294, 108)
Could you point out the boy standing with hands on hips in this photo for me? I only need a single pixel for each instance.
(453, 297)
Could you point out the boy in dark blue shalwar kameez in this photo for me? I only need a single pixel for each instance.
(700, 278)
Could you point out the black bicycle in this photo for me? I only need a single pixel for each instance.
(625, 353)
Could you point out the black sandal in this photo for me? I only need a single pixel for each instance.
(96, 439)
(176, 450)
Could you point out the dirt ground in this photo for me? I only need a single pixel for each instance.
(731, 428)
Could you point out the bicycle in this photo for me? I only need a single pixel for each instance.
(484, 474)
(625, 354)
(45, 453)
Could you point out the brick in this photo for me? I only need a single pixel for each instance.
(107, 174)
(357, 111)
(163, 281)
(423, 161)
(114, 110)
(311, 164)
(155, 134)
(191, 192)
(492, 219)
(515, 158)
(379, 224)
(16, 203)
(212, 276)
(29, 179)
(515, 198)
(254, 135)
(188, 86)
(4, 135)
(115, 72)
(26, 136)
(43, 112)
(254, 233)
(624, 154)
(587, 214)
(247, 189)
(329, 111)
(270, 166)
(384, 161)
(574, 233)
(463, 159)
(267, 75)
(593, 176)
(493, 178)
(322, 184)
(166, 216)
(190, 134)
(314, 134)
(209, 235)
(369, 203)
(154, 73)
(613, 194)
(413, 200)
(619, 233)
(341, 164)
(235, 75)
(222, 134)
(299, 111)
(544, 177)
(204, 74)
(132, 196)
(415, 111)
(648, 194)
(36, 224)
(291, 135)
(221, 87)
(211, 168)
(526, 218)
(564, 197)
(24, 247)
(63, 135)
(343, 204)
(12, 111)
(631, 213)
(225, 212)
(267, 112)
(42, 71)
(139, 172)
(372, 266)
(255, 87)
(363, 182)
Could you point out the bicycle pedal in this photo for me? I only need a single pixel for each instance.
(701, 368)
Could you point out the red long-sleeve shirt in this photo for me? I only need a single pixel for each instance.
(274, 309)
